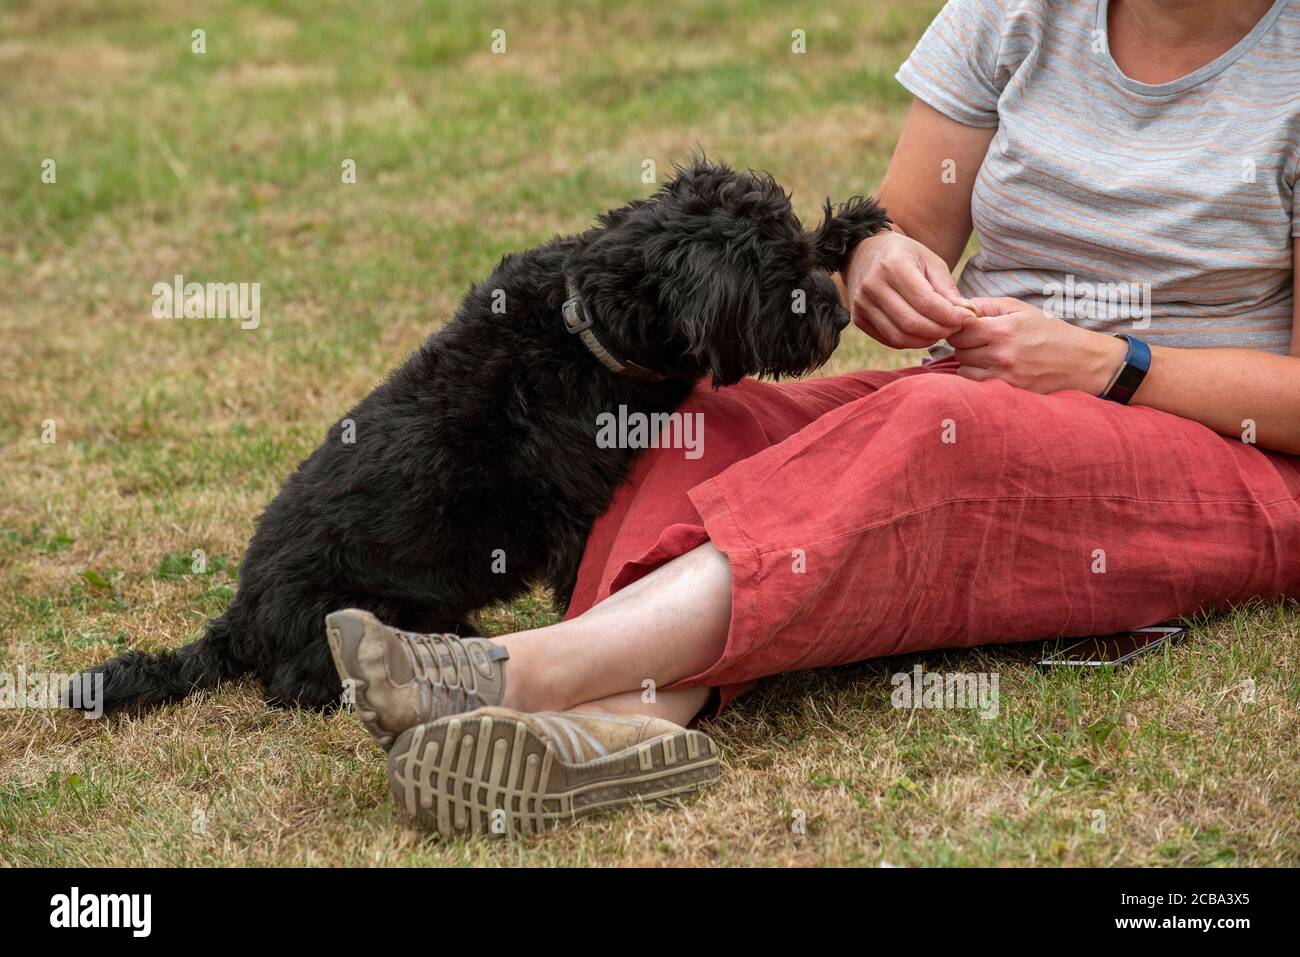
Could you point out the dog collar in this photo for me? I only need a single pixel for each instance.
(578, 322)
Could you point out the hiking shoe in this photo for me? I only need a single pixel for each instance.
(498, 771)
(400, 679)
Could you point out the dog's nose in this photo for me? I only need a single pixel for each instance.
(842, 318)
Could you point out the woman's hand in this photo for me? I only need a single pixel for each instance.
(1022, 345)
(901, 293)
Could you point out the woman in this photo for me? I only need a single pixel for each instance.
(1130, 168)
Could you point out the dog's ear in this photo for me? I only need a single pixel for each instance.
(843, 228)
(715, 305)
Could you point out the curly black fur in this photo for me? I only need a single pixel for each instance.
(485, 438)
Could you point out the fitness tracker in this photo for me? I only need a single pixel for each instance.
(1137, 362)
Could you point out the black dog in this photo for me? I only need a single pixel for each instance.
(474, 470)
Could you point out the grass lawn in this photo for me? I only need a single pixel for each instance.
(172, 434)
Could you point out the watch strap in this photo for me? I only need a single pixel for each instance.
(1132, 373)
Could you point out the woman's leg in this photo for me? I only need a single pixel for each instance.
(940, 513)
(651, 519)
(670, 624)
(679, 705)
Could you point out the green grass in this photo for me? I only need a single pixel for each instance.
(171, 435)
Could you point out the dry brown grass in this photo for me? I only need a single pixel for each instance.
(173, 435)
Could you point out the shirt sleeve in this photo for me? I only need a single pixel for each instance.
(955, 68)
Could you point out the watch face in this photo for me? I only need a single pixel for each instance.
(1130, 377)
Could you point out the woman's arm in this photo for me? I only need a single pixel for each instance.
(899, 284)
(1242, 393)
(1236, 392)
(901, 293)
(927, 187)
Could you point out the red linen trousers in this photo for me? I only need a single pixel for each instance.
(878, 513)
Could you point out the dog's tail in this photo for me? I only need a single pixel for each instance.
(141, 680)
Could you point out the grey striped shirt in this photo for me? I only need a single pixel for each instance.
(1120, 205)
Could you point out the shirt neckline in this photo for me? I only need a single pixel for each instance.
(1197, 76)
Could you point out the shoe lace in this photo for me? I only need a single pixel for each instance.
(447, 697)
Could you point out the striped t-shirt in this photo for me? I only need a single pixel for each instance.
(1169, 208)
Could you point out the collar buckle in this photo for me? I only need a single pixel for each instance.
(576, 317)
(579, 321)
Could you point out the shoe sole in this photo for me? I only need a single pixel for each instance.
(495, 775)
(344, 631)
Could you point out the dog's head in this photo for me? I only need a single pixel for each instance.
(714, 275)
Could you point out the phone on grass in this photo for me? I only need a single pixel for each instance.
(1106, 650)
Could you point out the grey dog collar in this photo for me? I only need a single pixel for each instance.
(578, 321)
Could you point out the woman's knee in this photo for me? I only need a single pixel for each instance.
(981, 431)
(951, 407)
